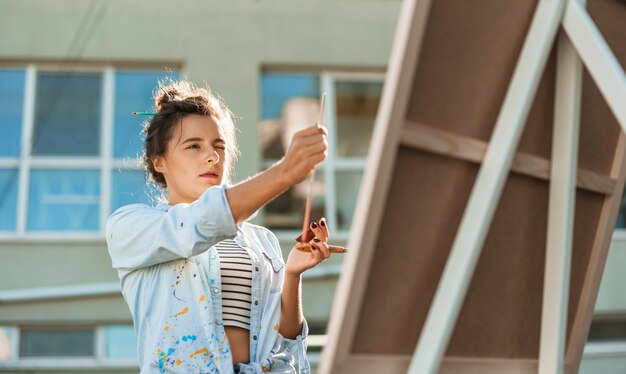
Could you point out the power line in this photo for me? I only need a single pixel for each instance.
(83, 34)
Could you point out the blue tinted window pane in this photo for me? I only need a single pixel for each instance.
(277, 88)
(133, 93)
(121, 341)
(67, 114)
(56, 343)
(8, 198)
(11, 106)
(621, 214)
(129, 187)
(64, 200)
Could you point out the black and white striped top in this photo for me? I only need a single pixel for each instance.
(236, 268)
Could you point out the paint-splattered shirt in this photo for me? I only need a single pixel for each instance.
(170, 278)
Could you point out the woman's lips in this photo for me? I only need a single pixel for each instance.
(209, 175)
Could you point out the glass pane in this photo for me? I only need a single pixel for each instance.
(287, 210)
(120, 341)
(348, 185)
(277, 88)
(6, 343)
(67, 114)
(129, 187)
(8, 198)
(64, 200)
(289, 102)
(56, 342)
(605, 330)
(356, 106)
(133, 93)
(621, 215)
(11, 106)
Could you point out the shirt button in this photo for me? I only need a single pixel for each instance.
(216, 290)
(256, 268)
(212, 257)
(305, 371)
(256, 302)
(254, 337)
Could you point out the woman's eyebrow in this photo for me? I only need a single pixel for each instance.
(192, 140)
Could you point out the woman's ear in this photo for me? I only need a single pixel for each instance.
(157, 162)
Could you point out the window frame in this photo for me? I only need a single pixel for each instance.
(104, 162)
(332, 165)
(99, 360)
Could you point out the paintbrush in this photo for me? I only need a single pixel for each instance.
(307, 209)
(307, 233)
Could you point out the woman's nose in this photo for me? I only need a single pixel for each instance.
(213, 156)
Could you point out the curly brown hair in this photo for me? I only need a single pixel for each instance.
(174, 100)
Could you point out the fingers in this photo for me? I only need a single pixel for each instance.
(319, 233)
(317, 147)
(320, 248)
(304, 247)
(324, 226)
(308, 148)
(312, 130)
(337, 249)
(309, 139)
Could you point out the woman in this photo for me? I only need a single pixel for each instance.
(209, 292)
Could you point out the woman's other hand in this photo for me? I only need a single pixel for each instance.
(304, 256)
(307, 149)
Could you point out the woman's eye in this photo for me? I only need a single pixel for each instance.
(220, 147)
(193, 146)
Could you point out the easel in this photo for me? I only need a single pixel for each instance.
(582, 43)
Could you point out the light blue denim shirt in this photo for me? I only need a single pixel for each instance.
(170, 277)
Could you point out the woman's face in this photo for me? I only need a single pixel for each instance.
(194, 160)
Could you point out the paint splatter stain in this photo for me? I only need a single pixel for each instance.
(202, 298)
(276, 328)
(167, 328)
(200, 351)
(189, 337)
(184, 311)
(178, 361)
(163, 358)
(177, 298)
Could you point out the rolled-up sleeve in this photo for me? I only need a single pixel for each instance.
(140, 236)
(297, 347)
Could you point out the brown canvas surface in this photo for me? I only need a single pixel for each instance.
(466, 63)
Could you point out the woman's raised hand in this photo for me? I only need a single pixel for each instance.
(307, 149)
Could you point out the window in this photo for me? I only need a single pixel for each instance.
(290, 101)
(621, 214)
(11, 103)
(6, 343)
(115, 343)
(67, 114)
(61, 199)
(8, 198)
(120, 341)
(69, 147)
(37, 342)
(607, 330)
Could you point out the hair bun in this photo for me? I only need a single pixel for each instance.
(168, 95)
